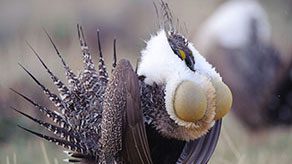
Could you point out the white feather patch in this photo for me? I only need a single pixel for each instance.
(159, 64)
(202, 66)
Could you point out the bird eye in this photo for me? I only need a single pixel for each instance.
(182, 54)
(179, 45)
(187, 57)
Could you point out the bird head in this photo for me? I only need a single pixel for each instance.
(195, 95)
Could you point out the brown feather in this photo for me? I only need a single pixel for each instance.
(123, 137)
(135, 139)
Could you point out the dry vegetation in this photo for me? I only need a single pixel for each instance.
(235, 146)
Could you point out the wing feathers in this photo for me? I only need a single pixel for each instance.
(200, 150)
(135, 138)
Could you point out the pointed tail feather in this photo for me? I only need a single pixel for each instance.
(71, 77)
(115, 54)
(50, 114)
(63, 143)
(72, 160)
(60, 132)
(103, 75)
(53, 97)
(62, 88)
(88, 64)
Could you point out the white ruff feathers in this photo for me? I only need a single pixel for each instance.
(161, 65)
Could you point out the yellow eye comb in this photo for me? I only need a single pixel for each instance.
(182, 54)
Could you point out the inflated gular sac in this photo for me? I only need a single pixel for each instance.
(190, 102)
(223, 99)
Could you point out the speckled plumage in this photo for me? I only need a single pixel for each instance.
(125, 119)
(114, 106)
(79, 106)
(95, 113)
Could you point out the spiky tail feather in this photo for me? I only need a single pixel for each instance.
(78, 124)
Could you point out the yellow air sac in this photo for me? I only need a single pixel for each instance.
(223, 99)
(190, 102)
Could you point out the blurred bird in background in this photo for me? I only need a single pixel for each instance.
(167, 111)
(237, 40)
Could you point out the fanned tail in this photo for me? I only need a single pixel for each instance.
(80, 104)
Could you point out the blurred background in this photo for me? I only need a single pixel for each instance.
(249, 42)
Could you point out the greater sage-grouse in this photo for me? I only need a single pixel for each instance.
(169, 111)
(236, 38)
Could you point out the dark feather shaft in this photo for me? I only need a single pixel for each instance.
(64, 91)
(54, 98)
(72, 160)
(88, 64)
(63, 143)
(115, 54)
(60, 132)
(72, 78)
(50, 114)
(101, 65)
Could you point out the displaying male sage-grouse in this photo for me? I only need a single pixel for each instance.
(236, 38)
(168, 112)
